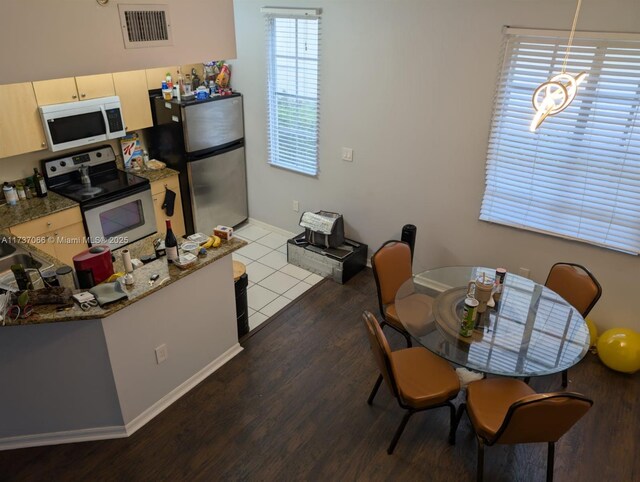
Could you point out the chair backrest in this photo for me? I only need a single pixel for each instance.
(380, 349)
(576, 285)
(542, 417)
(391, 267)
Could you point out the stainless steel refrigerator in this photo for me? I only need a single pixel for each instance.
(204, 141)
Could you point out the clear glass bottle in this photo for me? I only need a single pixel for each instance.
(20, 190)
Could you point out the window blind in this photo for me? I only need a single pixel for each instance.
(578, 175)
(293, 55)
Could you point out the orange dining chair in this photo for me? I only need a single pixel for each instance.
(418, 379)
(391, 267)
(578, 287)
(508, 411)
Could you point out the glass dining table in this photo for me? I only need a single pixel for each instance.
(531, 331)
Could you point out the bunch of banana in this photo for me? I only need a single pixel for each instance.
(114, 277)
(212, 242)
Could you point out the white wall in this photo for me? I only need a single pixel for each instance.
(195, 318)
(48, 39)
(55, 377)
(409, 86)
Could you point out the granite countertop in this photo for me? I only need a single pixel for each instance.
(167, 274)
(34, 208)
(151, 174)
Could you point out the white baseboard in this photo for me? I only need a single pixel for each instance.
(155, 409)
(270, 227)
(66, 437)
(102, 433)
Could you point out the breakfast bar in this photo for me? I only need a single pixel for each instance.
(75, 375)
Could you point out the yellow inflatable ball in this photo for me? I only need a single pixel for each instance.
(619, 349)
(593, 332)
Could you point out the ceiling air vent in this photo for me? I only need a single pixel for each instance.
(145, 25)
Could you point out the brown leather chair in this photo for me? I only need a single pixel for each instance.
(391, 267)
(577, 286)
(418, 379)
(508, 411)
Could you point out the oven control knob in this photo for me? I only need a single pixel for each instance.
(63, 163)
(53, 168)
(98, 154)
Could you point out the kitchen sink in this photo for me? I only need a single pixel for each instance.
(11, 254)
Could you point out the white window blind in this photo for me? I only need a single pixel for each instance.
(293, 41)
(578, 175)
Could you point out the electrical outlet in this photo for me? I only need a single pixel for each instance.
(295, 206)
(524, 272)
(162, 353)
(347, 154)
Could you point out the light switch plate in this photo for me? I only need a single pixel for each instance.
(162, 353)
(347, 154)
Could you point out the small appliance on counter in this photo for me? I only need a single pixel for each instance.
(93, 266)
(117, 207)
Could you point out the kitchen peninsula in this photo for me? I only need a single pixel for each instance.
(74, 375)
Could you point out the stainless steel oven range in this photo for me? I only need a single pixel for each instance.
(117, 207)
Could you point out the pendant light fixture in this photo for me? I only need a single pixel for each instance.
(555, 95)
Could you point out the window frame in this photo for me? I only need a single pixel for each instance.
(577, 134)
(299, 154)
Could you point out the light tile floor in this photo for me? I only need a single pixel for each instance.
(273, 283)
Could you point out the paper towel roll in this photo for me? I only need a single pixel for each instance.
(126, 260)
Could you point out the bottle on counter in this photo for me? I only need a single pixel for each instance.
(195, 80)
(10, 194)
(167, 92)
(499, 283)
(20, 190)
(180, 87)
(170, 243)
(28, 187)
(38, 181)
(22, 278)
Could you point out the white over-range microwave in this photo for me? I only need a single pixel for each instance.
(76, 124)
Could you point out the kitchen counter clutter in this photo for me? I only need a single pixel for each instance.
(154, 174)
(167, 274)
(34, 208)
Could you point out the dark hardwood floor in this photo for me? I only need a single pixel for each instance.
(292, 406)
